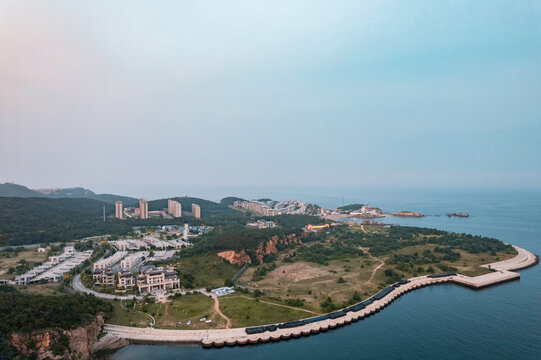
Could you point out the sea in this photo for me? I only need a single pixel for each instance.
(437, 322)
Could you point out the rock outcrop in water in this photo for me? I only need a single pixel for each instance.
(407, 214)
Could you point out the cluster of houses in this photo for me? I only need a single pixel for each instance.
(151, 279)
(54, 269)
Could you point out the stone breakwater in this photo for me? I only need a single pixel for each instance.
(238, 336)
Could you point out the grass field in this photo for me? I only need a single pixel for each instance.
(31, 255)
(180, 309)
(127, 317)
(245, 310)
(313, 282)
(189, 307)
(41, 289)
(347, 279)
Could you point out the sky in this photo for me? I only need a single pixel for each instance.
(129, 96)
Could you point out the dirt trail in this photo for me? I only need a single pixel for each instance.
(285, 306)
(373, 258)
(219, 312)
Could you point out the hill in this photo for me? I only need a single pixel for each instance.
(228, 201)
(44, 220)
(208, 208)
(36, 220)
(15, 190)
(351, 207)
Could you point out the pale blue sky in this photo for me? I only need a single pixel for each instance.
(124, 96)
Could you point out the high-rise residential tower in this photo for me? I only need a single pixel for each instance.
(196, 211)
(175, 209)
(143, 209)
(118, 210)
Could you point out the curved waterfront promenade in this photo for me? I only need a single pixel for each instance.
(238, 336)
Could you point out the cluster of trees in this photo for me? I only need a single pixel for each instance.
(406, 262)
(322, 253)
(245, 239)
(262, 270)
(296, 221)
(398, 237)
(392, 276)
(26, 313)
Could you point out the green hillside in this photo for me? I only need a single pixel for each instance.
(228, 201)
(9, 189)
(42, 220)
(15, 190)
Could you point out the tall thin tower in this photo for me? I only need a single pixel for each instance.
(103, 213)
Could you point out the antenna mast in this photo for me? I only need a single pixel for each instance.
(103, 213)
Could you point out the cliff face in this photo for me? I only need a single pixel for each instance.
(270, 247)
(236, 258)
(264, 248)
(81, 340)
(40, 344)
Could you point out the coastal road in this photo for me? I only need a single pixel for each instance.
(80, 288)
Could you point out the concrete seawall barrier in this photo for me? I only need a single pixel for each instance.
(238, 336)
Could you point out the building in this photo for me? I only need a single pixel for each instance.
(126, 280)
(175, 208)
(226, 290)
(154, 279)
(169, 202)
(260, 224)
(54, 269)
(133, 260)
(105, 263)
(143, 209)
(104, 276)
(315, 228)
(186, 232)
(196, 211)
(118, 210)
(128, 244)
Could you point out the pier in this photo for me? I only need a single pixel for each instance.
(273, 333)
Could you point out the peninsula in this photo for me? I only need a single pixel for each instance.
(242, 274)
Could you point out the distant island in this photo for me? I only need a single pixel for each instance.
(458, 214)
(407, 214)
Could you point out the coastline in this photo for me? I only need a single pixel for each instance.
(238, 336)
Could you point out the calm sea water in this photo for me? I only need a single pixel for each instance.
(439, 322)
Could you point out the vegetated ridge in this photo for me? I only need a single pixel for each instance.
(15, 190)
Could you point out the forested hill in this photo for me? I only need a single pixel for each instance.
(15, 190)
(42, 220)
(35, 220)
(228, 201)
(208, 208)
(9, 189)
